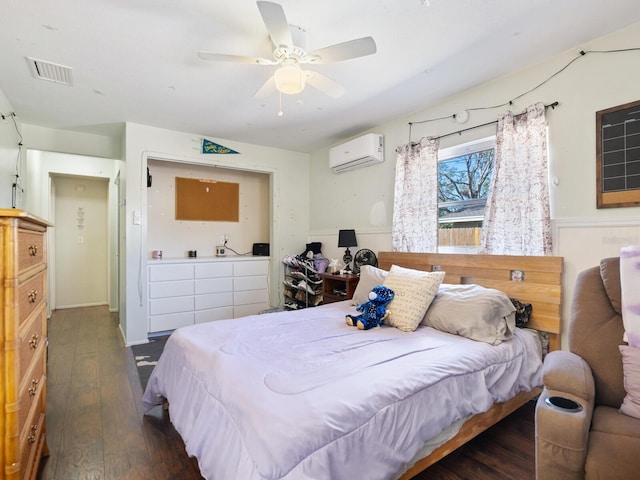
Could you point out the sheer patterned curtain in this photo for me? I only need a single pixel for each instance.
(415, 205)
(517, 219)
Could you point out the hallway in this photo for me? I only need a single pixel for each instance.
(95, 426)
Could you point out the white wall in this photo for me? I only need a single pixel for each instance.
(8, 152)
(289, 216)
(583, 242)
(81, 241)
(79, 143)
(176, 237)
(363, 199)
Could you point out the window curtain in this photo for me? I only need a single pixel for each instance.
(415, 205)
(517, 219)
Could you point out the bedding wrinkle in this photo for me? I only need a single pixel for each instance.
(318, 369)
(268, 397)
(190, 414)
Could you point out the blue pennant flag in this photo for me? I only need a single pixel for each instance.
(211, 147)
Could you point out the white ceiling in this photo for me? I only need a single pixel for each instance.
(136, 60)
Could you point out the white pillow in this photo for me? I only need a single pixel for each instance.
(370, 277)
(631, 367)
(472, 311)
(414, 291)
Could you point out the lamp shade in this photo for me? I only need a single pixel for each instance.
(289, 79)
(347, 238)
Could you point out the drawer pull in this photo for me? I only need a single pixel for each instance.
(33, 250)
(35, 339)
(34, 387)
(32, 438)
(32, 296)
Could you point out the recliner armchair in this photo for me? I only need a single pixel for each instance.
(597, 442)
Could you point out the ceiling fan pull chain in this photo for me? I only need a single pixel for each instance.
(280, 112)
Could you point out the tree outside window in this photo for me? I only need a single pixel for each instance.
(464, 176)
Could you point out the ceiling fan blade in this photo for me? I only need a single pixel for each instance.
(276, 22)
(324, 84)
(360, 47)
(266, 89)
(221, 57)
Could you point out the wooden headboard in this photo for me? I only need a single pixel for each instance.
(534, 280)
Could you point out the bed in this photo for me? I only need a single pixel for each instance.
(301, 394)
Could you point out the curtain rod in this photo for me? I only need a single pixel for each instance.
(460, 132)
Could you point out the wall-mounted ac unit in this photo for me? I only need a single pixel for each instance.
(357, 153)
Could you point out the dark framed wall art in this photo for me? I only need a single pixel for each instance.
(618, 156)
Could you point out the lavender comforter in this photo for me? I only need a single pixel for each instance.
(301, 395)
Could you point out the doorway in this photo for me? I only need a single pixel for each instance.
(81, 241)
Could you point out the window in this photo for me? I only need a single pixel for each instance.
(464, 176)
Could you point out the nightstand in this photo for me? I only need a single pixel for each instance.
(336, 288)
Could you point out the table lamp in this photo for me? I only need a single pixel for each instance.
(347, 238)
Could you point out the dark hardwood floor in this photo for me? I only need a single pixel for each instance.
(95, 425)
(96, 428)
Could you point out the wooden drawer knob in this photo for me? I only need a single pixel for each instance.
(32, 296)
(34, 387)
(32, 438)
(35, 339)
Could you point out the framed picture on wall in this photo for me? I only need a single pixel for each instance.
(618, 156)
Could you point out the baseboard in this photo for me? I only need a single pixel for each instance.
(81, 305)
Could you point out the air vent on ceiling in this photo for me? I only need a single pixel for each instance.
(50, 71)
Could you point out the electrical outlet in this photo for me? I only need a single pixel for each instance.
(226, 238)
(221, 242)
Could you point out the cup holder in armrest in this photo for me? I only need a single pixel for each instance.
(563, 404)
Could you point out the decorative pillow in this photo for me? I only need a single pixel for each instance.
(414, 291)
(631, 368)
(523, 312)
(472, 311)
(370, 277)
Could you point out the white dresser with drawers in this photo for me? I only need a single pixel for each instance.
(185, 291)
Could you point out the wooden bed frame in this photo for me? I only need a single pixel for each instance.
(534, 280)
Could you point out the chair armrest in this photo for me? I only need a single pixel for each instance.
(566, 372)
(562, 435)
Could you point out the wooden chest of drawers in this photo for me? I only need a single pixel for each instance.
(23, 340)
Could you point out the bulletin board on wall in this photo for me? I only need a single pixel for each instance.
(207, 200)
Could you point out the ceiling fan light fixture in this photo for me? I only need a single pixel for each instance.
(290, 44)
(289, 79)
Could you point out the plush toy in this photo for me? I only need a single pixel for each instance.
(374, 311)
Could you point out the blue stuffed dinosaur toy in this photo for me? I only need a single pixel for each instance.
(374, 311)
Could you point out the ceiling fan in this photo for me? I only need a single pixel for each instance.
(290, 52)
